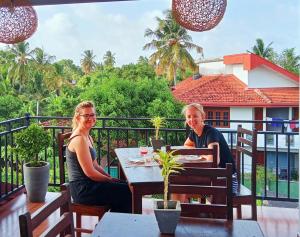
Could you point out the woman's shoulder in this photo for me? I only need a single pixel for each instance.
(209, 129)
(75, 138)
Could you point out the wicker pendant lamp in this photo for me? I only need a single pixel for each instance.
(198, 15)
(18, 21)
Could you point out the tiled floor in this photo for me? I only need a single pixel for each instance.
(274, 221)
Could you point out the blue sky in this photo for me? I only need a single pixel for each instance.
(67, 30)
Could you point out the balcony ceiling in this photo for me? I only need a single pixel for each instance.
(56, 2)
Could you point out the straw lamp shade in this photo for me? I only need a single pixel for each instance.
(198, 15)
(18, 21)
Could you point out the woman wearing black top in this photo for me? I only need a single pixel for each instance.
(205, 136)
(89, 183)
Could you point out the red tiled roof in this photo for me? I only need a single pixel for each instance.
(251, 61)
(227, 90)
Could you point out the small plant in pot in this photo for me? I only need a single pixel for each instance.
(167, 212)
(29, 143)
(156, 141)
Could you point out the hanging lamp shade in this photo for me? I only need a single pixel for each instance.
(198, 15)
(18, 21)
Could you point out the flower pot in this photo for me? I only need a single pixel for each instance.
(36, 181)
(157, 144)
(167, 219)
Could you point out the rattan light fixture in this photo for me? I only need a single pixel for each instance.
(18, 21)
(198, 15)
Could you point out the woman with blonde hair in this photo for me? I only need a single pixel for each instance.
(205, 136)
(89, 183)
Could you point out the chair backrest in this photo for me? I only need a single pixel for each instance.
(197, 151)
(209, 186)
(246, 145)
(61, 137)
(64, 226)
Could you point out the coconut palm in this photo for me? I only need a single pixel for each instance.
(109, 59)
(172, 44)
(87, 62)
(289, 60)
(262, 51)
(41, 57)
(55, 78)
(19, 72)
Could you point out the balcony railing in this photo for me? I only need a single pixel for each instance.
(277, 173)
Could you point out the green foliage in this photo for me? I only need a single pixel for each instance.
(31, 141)
(9, 107)
(169, 166)
(61, 105)
(117, 96)
(157, 122)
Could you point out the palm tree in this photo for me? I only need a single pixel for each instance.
(55, 78)
(172, 44)
(41, 57)
(289, 60)
(109, 59)
(18, 72)
(87, 63)
(42, 66)
(262, 51)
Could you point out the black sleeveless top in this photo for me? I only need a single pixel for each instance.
(75, 171)
(210, 135)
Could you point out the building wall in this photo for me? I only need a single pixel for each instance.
(241, 113)
(211, 68)
(238, 71)
(263, 77)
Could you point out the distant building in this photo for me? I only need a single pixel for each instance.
(248, 87)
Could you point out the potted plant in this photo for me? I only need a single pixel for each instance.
(29, 143)
(167, 212)
(157, 142)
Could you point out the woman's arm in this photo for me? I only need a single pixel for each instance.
(189, 143)
(99, 168)
(210, 157)
(81, 147)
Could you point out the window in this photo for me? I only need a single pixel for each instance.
(226, 117)
(218, 114)
(292, 140)
(270, 139)
(210, 116)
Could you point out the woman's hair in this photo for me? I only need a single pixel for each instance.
(196, 106)
(81, 105)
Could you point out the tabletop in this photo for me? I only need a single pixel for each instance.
(138, 174)
(129, 225)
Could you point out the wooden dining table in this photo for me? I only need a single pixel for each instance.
(130, 225)
(143, 178)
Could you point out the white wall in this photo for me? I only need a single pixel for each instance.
(238, 71)
(241, 113)
(263, 77)
(211, 68)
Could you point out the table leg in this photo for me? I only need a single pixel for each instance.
(121, 172)
(137, 199)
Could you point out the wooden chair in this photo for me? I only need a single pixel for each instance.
(246, 146)
(206, 187)
(199, 152)
(202, 164)
(64, 226)
(79, 209)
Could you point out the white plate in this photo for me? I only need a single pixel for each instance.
(189, 157)
(138, 159)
